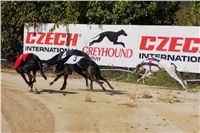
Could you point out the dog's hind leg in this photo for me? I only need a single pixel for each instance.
(92, 78)
(108, 84)
(179, 76)
(175, 75)
(100, 83)
(100, 77)
(101, 37)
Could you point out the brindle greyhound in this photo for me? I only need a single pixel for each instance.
(27, 63)
(82, 65)
(61, 58)
(112, 36)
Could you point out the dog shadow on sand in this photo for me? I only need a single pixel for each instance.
(108, 92)
(52, 91)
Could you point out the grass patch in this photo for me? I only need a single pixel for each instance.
(161, 78)
(120, 76)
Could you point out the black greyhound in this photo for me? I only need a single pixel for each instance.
(83, 66)
(62, 57)
(27, 63)
(112, 36)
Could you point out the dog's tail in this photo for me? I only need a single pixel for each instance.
(174, 65)
(95, 36)
(98, 74)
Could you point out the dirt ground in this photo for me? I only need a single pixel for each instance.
(131, 108)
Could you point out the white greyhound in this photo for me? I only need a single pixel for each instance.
(153, 64)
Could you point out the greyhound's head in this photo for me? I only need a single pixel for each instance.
(138, 68)
(123, 32)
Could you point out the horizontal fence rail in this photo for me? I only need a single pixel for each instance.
(128, 71)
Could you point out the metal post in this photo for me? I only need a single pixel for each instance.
(128, 73)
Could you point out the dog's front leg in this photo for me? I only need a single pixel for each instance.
(146, 75)
(56, 78)
(143, 77)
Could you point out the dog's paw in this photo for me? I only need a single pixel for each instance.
(51, 83)
(62, 88)
(90, 44)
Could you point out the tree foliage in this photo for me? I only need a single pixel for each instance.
(193, 16)
(15, 14)
(126, 12)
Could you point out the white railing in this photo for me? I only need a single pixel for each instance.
(128, 71)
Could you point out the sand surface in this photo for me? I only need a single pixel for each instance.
(131, 108)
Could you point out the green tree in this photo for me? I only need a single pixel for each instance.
(133, 12)
(15, 14)
(193, 16)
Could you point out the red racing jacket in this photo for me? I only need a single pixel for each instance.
(21, 58)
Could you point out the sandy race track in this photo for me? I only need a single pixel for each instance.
(131, 108)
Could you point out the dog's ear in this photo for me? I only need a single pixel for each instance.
(137, 68)
(124, 33)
